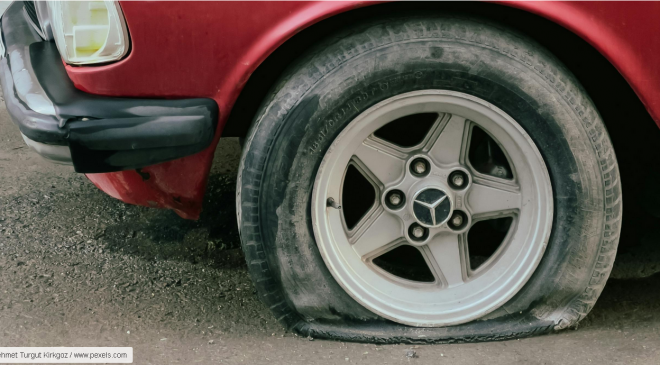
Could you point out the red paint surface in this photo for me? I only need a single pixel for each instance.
(210, 49)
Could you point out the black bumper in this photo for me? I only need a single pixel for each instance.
(94, 133)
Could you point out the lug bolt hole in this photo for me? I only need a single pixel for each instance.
(458, 220)
(417, 232)
(420, 167)
(395, 199)
(458, 180)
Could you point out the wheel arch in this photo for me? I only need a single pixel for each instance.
(576, 39)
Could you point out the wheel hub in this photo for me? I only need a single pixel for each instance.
(428, 199)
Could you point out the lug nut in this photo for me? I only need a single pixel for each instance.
(457, 220)
(420, 167)
(458, 180)
(418, 232)
(395, 199)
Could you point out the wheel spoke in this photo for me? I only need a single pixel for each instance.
(384, 166)
(447, 142)
(377, 233)
(445, 250)
(487, 198)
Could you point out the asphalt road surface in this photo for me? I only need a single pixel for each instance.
(78, 268)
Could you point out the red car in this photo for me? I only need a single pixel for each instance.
(411, 172)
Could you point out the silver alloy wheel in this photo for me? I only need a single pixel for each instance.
(458, 294)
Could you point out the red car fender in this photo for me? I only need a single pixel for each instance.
(180, 184)
(210, 49)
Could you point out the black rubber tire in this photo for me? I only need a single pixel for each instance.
(352, 71)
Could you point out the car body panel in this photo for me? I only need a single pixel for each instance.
(189, 42)
(210, 49)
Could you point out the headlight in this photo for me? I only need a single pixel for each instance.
(88, 31)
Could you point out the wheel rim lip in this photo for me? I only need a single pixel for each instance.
(431, 314)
